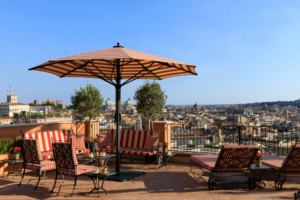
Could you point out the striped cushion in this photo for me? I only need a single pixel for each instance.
(132, 138)
(46, 166)
(44, 138)
(104, 140)
(47, 155)
(141, 152)
(80, 170)
(78, 141)
(273, 161)
(150, 142)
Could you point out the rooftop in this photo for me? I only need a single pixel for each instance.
(176, 183)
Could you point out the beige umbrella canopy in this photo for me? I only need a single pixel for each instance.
(114, 64)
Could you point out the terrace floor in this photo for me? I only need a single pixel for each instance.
(176, 183)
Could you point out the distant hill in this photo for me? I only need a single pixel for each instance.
(279, 103)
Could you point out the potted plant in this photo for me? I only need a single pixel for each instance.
(90, 143)
(17, 151)
(258, 159)
(165, 146)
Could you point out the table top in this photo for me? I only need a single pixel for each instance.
(158, 154)
(93, 175)
(108, 155)
(13, 160)
(262, 167)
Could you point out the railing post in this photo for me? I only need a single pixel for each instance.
(239, 135)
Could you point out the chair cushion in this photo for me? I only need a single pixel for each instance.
(101, 138)
(207, 161)
(46, 166)
(78, 141)
(47, 155)
(132, 151)
(273, 161)
(80, 170)
(150, 142)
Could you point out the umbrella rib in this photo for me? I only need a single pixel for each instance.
(88, 70)
(131, 78)
(40, 66)
(113, 69)
(75, 69)
(148, 69)
(178, 68)
(102, 73)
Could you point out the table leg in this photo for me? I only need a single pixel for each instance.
(105, 164)
(167, 163)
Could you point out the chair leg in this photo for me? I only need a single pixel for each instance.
(74, 186)
(44, 175)
(131, 158)
(54, 182)
(191, 165)
(22, 177)
(38, 180)
(63, 178)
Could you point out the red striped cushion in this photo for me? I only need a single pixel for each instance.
(131, 151)
(46, 166)
(78, 141)
(47, 155)
(45, 138)
(101, 140)
(150, 142)
(132, 138)
(80, 170)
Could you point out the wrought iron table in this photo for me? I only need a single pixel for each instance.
(96, 159)
(257, 172)
(165, 159)
(14, 165)
(98, 176)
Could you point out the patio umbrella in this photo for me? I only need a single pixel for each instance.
(112, 65)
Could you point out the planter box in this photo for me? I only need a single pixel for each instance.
(4, 167)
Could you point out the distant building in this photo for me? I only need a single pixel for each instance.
(41, 109)
(110, 105)
(48, 102)
(196, 107)
(12, 106)
(36, 102)
(58, 102)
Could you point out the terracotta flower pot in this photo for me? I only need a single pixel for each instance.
(258, 163)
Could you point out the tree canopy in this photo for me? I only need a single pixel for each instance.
(87, 102)
(150, 99)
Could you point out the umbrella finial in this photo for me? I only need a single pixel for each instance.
(118, 45)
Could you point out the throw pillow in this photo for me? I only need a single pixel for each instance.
(78, 141)
(104, 140)
(150, 142)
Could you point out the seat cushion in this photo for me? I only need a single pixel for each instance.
(150, 143)
(206, 161)
(48, 165)
(80, 170)
(47, 155)
(78, 141)
(273, 161)
(132, 151)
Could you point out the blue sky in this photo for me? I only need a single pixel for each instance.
(245, 51)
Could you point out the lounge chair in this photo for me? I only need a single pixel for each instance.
(289, 164)
(232, 158)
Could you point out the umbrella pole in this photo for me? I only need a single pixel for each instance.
(118, 116)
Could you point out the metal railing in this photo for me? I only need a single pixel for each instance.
(209, 139)
(272, 140)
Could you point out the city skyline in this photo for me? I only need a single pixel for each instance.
(244, 52)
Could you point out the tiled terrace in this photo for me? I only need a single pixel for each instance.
(176, 183)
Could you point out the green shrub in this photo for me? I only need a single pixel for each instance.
(213, 145)
(192, 145)
(6, 145)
